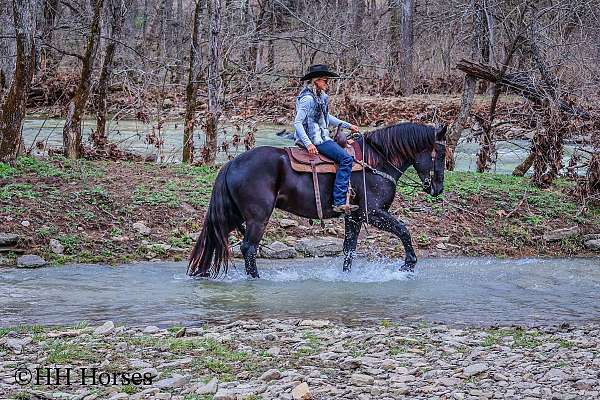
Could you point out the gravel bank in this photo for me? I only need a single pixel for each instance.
(301, 359)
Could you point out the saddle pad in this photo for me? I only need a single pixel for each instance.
(300, 160)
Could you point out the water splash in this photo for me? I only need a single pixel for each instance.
(326, 270)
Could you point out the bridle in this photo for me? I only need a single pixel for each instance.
(439, 150)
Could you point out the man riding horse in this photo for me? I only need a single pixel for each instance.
(312, 122)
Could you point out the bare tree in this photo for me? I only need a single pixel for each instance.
(214, 81)
(13, 109)
(468, 94)
(117, 11)
(51, 10)
(407, 54)
(72, 135)
(7, 46)
(192, 85)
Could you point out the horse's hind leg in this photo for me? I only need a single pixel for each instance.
(350, 239)
(385, 221)
(249, 247)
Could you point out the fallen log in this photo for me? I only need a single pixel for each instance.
(520, 82)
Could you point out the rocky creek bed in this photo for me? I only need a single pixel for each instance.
(309, 359)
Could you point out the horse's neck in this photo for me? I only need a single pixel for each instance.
(385, 165)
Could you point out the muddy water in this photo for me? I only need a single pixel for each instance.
(454, 290)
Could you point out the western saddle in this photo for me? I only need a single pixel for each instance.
(302, 161)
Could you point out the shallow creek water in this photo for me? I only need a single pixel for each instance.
(479, 291)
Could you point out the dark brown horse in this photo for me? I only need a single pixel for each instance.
(250, 186)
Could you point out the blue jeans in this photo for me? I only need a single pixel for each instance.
(344, 161)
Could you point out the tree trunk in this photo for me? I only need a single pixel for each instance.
(406, 64)
(7, 46)
(486, 143)
(118, 9)
(522, 168)
(214, 81)
(458, 126)
(72, 141)
(192, 86)
(468, 95)
(13, 109)
(50, 12)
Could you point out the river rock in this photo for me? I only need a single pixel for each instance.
(141, 227)
(591, 236)
(320, 246)
(593, 245)
(586, 384)
(301, 392)
(287, 223)
(475, 369)
(151, 329)
(315, 323)
(225, 394)
(56, 247)
(8, 239)
(119, 396)
(278, 250)
(16, 345)
(105, 328)
(208, 388)
(362, 379)
(137, 363)
(176, 381)
(270, 375)
(5, 261)
(560, 234)
(31, 261)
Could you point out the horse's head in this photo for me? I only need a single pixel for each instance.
(430, 164)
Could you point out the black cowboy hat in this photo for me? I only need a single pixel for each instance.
(319, 70)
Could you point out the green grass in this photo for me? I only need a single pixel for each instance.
(71, 243)
(18, 190)
(312, 346)
(54, 167)
(566, 344)
(168, 196)
(180, 240)
(23, 329)
(60, 352)
(6, 171)
(493, 338)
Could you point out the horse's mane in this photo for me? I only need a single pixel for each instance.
(398, 143)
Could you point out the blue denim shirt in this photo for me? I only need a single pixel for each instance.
(309, 123)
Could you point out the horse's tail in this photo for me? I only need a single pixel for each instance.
(211, 251)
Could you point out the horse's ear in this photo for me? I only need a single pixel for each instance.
(440, 133)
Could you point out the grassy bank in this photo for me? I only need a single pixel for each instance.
(91, 209)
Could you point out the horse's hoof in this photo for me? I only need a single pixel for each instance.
(407, 267)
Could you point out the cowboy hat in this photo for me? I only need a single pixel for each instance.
(317, 71)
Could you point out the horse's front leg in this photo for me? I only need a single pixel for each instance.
(385, 221)
(352, 227)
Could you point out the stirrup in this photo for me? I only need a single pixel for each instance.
(345, 208)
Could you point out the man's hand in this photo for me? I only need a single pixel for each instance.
(353, 128)
(312, 150)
